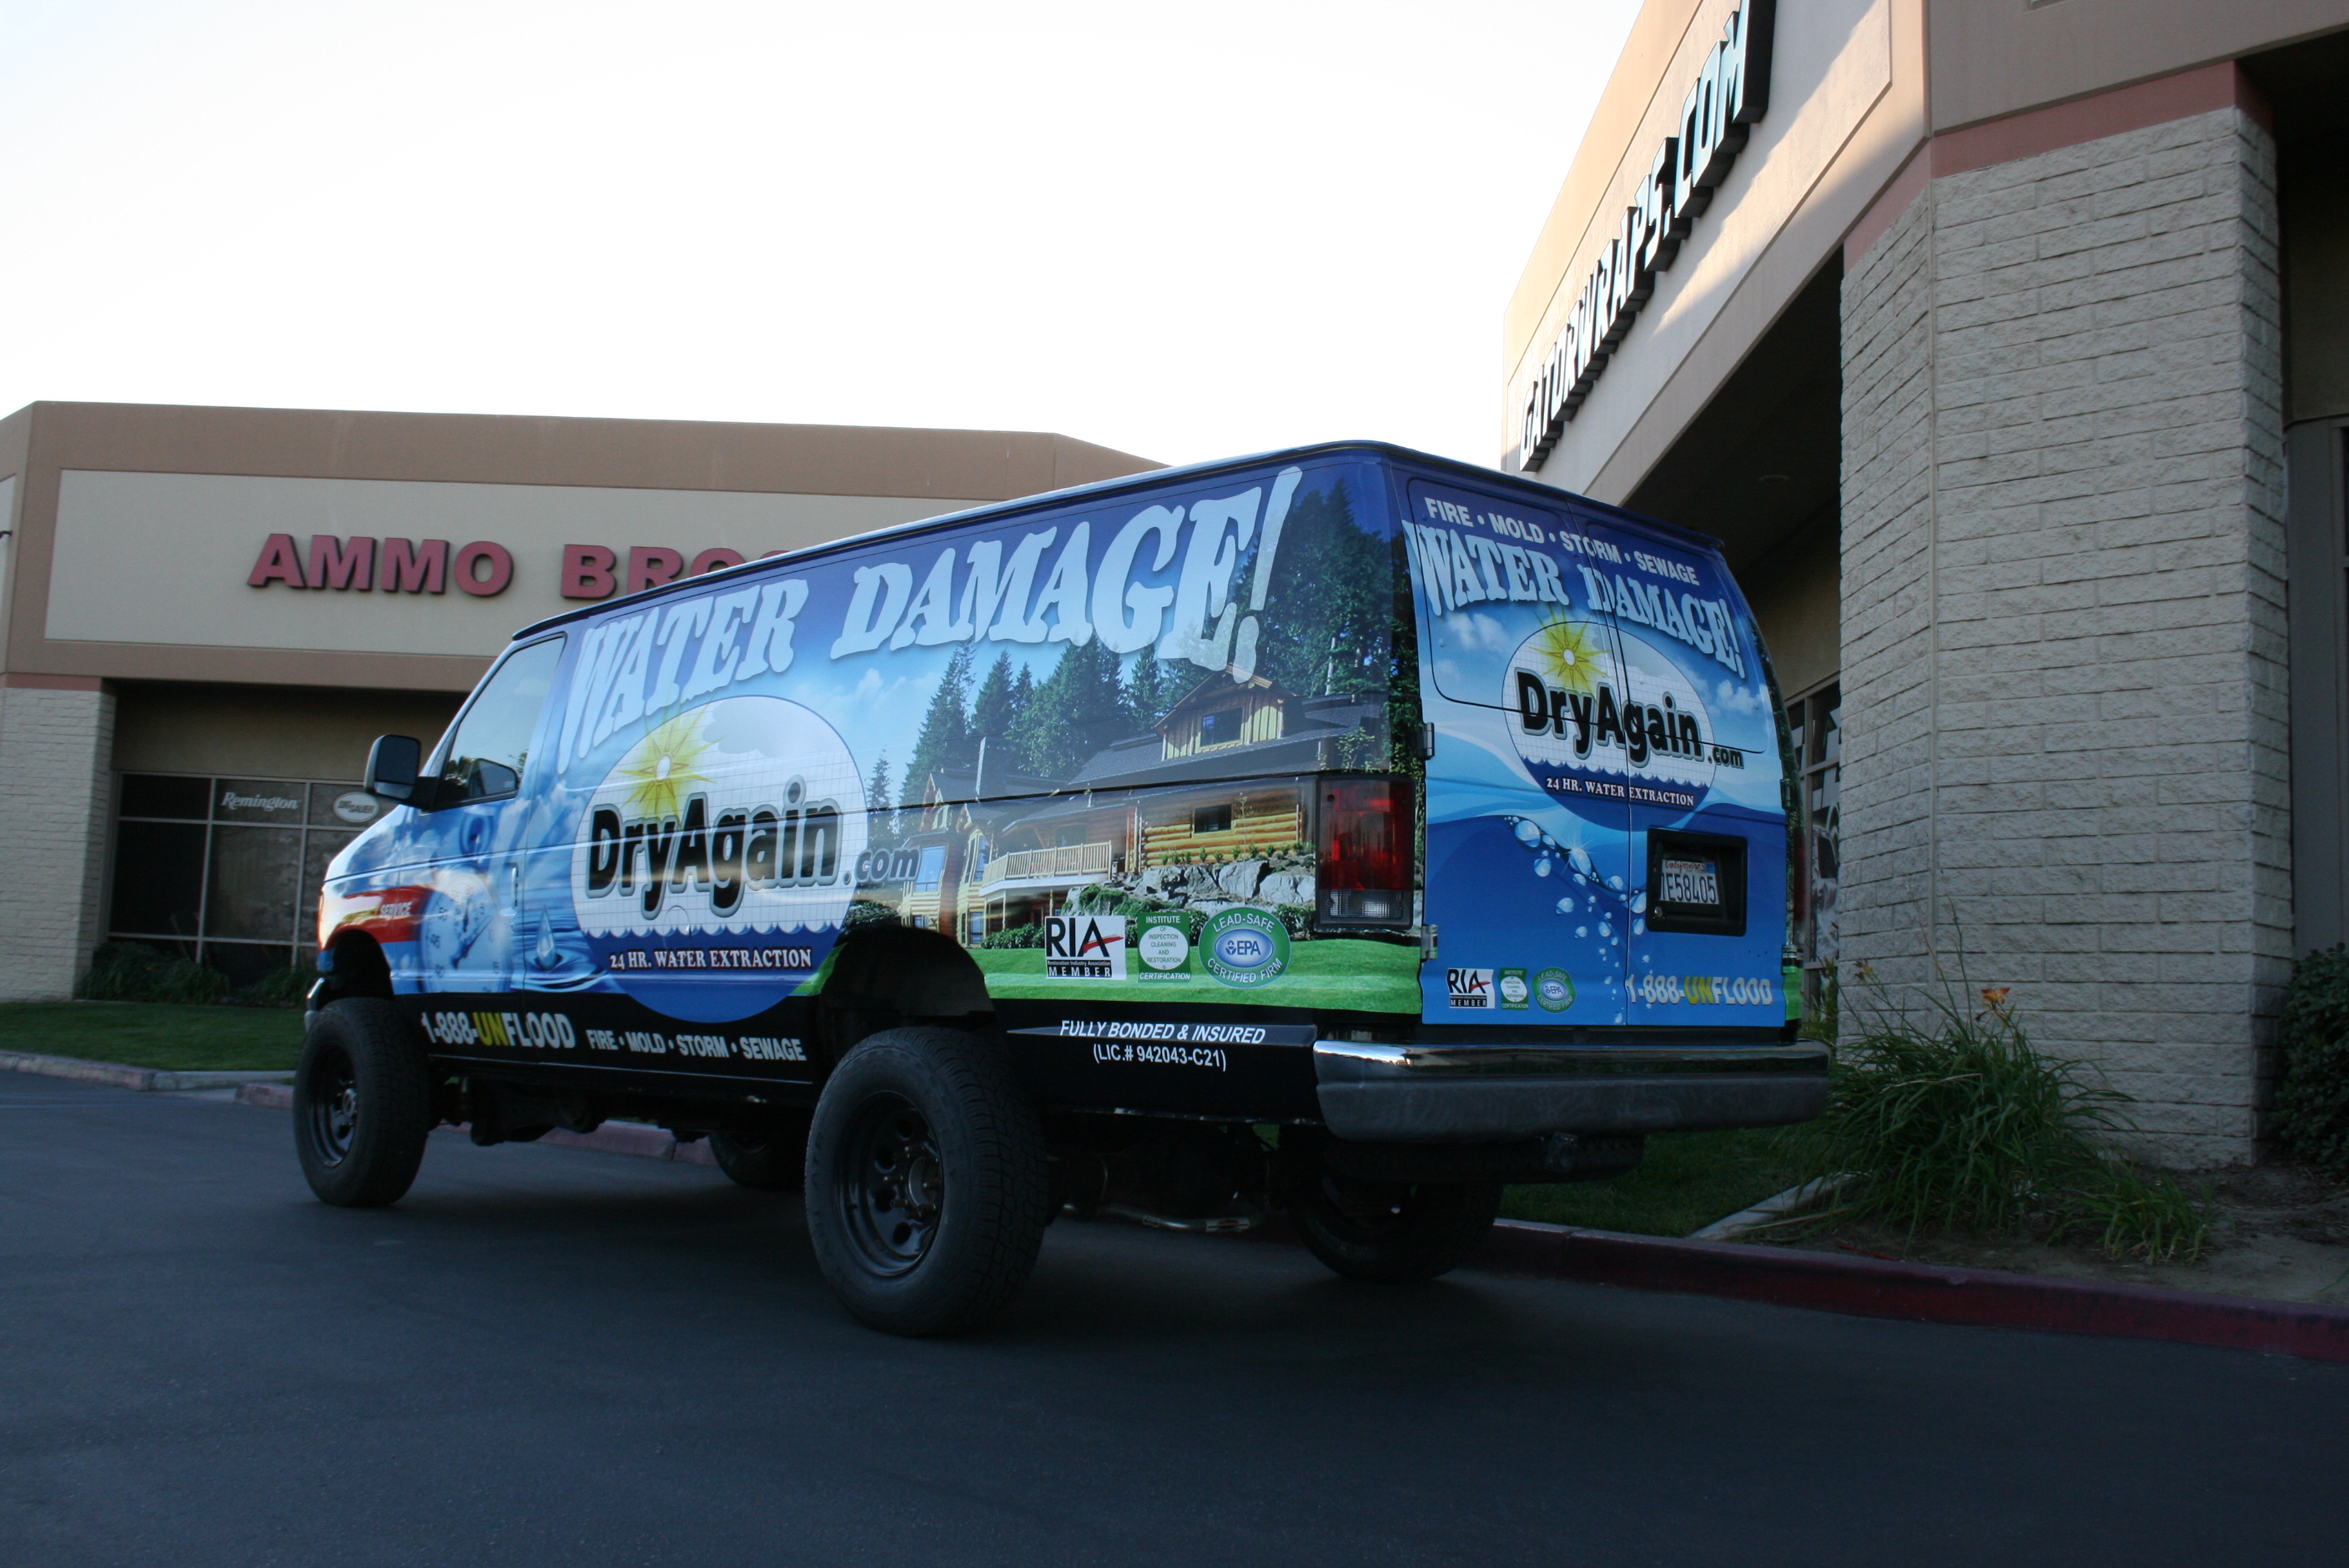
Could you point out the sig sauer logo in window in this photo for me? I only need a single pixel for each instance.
(1696, 883)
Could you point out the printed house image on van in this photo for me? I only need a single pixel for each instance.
(1121, 828)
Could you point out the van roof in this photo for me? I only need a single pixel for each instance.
(1534, 491)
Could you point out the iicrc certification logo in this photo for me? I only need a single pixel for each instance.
(1244, 947)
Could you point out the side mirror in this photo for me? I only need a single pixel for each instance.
(392, 767)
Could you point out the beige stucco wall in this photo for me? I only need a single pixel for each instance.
(164, 558)
(138, 525)
(1991, 59)
(1846, 108)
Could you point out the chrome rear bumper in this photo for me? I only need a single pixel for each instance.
(1475, 1094)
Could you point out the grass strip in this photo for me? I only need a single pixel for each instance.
(178, 1036)
(1687, 1180)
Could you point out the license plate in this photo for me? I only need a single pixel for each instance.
(1692, 882)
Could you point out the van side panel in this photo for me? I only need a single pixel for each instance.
(1078, 740)
(1598, 692)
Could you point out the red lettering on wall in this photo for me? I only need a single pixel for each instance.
(410, 568)
(587, 572)
(279, 561)
(501, 563)
(649, 566)
(334, 565)
(714, 560)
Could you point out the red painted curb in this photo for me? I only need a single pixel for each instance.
(1916, 1293)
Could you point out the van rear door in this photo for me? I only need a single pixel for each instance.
(1708, 829)
(1528, 877)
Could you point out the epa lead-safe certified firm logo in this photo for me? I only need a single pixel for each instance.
(1244, 947)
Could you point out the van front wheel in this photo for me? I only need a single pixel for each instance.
(927, 1182)
(1390, 1231)
(362, 1104)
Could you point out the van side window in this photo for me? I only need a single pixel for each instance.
(485, 755)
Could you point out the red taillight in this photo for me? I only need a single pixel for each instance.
(1366, 850)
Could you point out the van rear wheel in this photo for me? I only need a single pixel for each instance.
(362, 1104)
(1388, 1231)
(927, 1182)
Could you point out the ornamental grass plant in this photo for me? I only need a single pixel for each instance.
(1958, 1123)
(2310, 1118)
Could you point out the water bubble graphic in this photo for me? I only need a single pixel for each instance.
(1566, 906)
(1579, 858)
(1542, 866)
(1639, 928)
(1582, 931)
(1615, 882)
(1640, 901)
(1526, 832)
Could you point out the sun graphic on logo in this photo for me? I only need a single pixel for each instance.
(1570, 649)
(665, 767)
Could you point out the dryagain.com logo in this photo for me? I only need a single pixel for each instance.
(1595, 728)
(745, 814)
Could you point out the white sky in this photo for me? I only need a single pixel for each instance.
(1185, 231)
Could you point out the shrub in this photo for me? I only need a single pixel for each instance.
(286, 987)
(2310, 1118)
(1964, 1125)
(1821, 1023)
(131, 972)
(1014, 936)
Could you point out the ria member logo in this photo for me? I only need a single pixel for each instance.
(1086, 946)
(1468, 987)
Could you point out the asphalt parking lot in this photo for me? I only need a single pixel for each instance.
(551, 1356)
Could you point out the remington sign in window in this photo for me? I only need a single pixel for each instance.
(226, 871)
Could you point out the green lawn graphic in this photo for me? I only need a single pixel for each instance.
(1366, 976)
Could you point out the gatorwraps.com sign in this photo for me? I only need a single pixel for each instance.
(1730, 93)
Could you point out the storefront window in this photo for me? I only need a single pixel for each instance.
(226, 871)
(1815, 720)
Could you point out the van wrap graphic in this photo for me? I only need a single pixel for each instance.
(1044, 736)
(1589, 681)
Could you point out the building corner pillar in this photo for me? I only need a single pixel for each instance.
(2065, 730)
(57, 750)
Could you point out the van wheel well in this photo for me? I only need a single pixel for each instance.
(884, 975)
(360, 967)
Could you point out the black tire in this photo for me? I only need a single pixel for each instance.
(926, 1181)
(362, 1104)
(1388, 1233)
(776, 1161)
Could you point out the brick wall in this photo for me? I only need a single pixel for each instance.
(56, 749)
(2063, 611)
